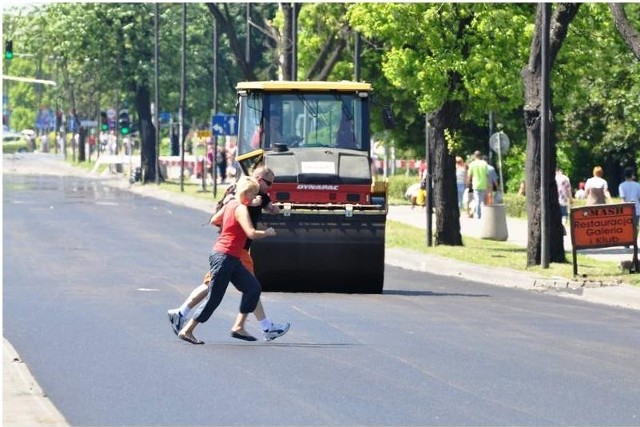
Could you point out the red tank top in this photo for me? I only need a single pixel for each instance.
(232, 237)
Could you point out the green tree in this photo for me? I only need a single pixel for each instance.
(325, 41)
(103, 56)
(626, 28)
(231, 19)
(595, 108)
(459, 61)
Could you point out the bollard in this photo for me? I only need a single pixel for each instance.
(494, 223)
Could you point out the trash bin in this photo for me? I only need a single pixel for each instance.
(494, 223)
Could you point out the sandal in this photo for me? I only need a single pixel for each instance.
(242, 336)
(190, 338)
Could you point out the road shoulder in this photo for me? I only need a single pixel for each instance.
(24, 403)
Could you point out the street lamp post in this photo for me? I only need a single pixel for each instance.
(182, 93)
(157, 92)
(429, 200)
(544, 139)
(214, 138)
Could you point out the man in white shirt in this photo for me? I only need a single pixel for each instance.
(629, 191)
(564, 194)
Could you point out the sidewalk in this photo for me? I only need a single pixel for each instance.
(517, 232)
(615, 295)
(23, 401)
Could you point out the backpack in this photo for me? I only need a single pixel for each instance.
(230, 191)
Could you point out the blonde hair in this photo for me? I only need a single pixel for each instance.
(246, 184)
(597, 171)
(459, 160)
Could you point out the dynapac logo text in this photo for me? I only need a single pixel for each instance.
(317, 187)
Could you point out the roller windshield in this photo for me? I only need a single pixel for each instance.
(301, 120)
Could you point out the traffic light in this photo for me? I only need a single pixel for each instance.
(104, 123)
(124, 123)
(8, 49)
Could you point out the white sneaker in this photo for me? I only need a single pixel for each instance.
(176, 319)
(276, 330)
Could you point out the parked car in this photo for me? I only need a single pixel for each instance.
(13, 142)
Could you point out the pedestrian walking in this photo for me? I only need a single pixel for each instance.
(581, 194)
(461, 180)
(596, 188)
(478, 181)
(564, 194)
(264, 178)
(629, 191)
(493, 185)
(221, 163)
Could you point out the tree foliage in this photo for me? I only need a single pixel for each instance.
(459, 61)
(597, 107)
(455, 62)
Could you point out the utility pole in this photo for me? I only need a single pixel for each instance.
(428, 203)
(247, 45)
(356, 56)
(544, 139)
(294, 41)
(182, 93)
(214, 138)
(490, 134)
(157, 91)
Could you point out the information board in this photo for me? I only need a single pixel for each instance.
(601, 226)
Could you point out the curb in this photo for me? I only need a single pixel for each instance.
(616, 295)
(24, 402)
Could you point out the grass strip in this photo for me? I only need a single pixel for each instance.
(502, 254)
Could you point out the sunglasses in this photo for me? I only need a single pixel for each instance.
(266, 181)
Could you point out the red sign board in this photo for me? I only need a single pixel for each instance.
(600, 226)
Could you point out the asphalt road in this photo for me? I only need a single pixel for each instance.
(89, 272)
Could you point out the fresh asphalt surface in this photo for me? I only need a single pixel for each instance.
(89, 272)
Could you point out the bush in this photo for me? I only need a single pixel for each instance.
(515, 205)
(398, 185)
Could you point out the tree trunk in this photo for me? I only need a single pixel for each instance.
(626, 30)
(330, 54)
(447, 118)
(445, 199)
(285, 41)
(331, 61)
(147, 134)
(83, 139)
(226, 25)
(559, 25)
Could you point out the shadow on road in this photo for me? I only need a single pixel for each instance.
(431, 294)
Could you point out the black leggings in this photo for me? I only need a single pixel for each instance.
(224, 269)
